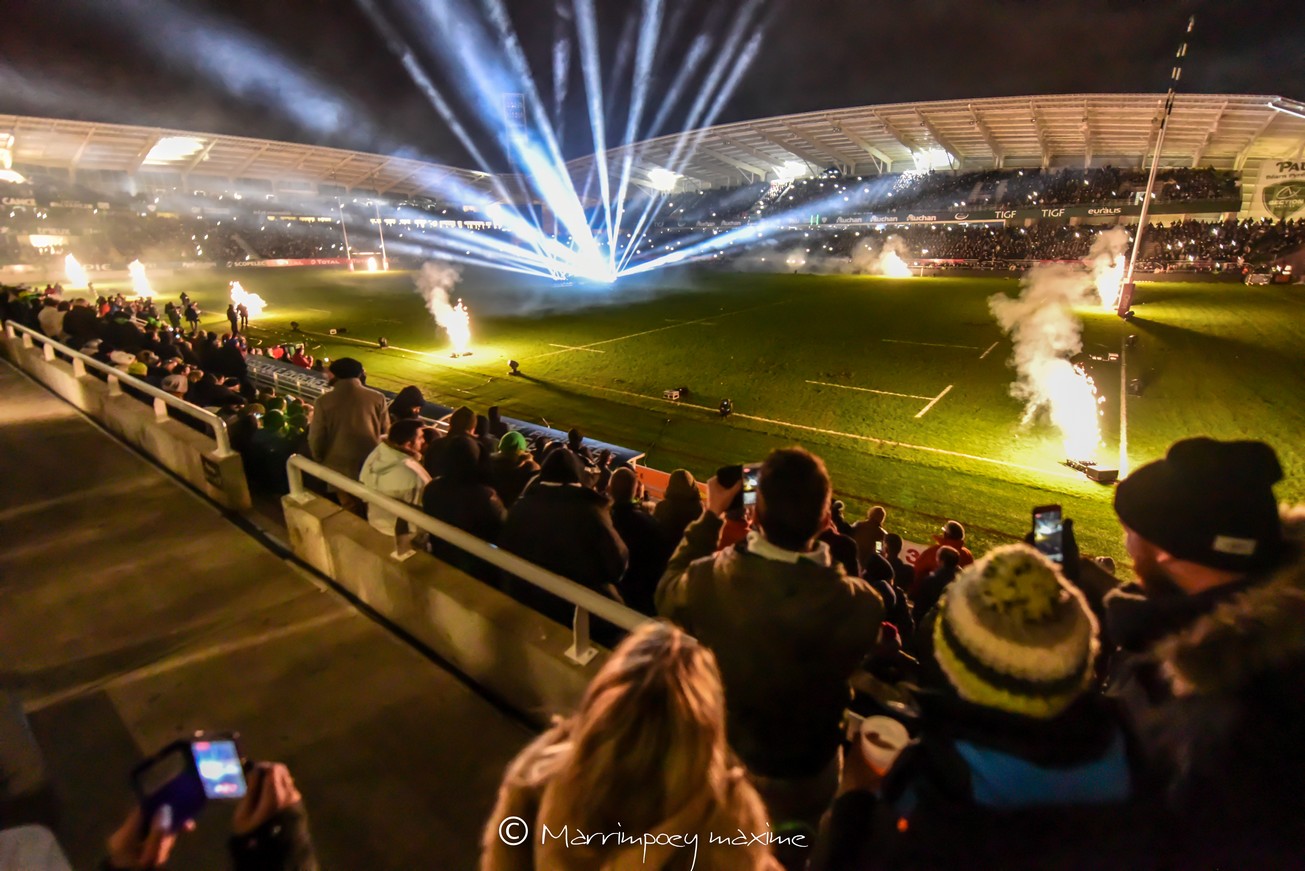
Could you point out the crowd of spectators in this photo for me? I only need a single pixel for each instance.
(1053, 717)
(1195, 245)
(937, 189)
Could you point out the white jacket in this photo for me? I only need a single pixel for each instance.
(397, 474)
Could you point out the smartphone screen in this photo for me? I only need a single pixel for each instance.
(218, 764)
(1048, 529)
(751, 475)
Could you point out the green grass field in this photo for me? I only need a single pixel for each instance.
(1219, 359)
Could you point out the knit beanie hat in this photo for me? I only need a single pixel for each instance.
(1013, 636)
(513, 442)
(1208, 502)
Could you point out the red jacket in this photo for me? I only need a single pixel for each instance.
(927, 561)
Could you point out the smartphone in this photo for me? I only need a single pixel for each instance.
(186, 774)
(1048, 531)
(751, 480)
(879, 547)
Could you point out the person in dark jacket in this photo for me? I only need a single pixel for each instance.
(788, 627)
(512, 467)
(460, 497)
(1209, 659)
(497, 428)
(1016, 762)
(903, 575)
(681, 505)
(649, 550)
(407, 404)
(233, 318)
(562, 525)
(462, 423)
(930, 590)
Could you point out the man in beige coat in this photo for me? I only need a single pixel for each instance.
(349, 421)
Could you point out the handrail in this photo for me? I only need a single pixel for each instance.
(586, 600)
(116, 377)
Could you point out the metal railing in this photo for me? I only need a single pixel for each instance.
(116, 378)
(267, 373)
(586, 600)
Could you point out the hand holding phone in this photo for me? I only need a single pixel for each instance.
(184, 775)
(1048, 532)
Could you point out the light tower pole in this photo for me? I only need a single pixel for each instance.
(348, 253)
(380, 225)
(1126, 297)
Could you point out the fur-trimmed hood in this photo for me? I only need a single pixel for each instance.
(1261, 630)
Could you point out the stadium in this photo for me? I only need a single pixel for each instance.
(965, 308)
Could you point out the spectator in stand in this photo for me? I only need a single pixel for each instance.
(757, 606)
(51, 318)
(869, 533)
(497, 428)
(681, 505)
(79, 324)
(1017, 763)
(562, 525)
(930, 590)
(903, 575)
(512, 467)
(394, 468)
(645, 753)
(1209, 665)
(301, 358)
(269, 830)
(208, 392)
(349, 421)
(176, 384)
(643, 537)
(407, 404)
(459, 495)
(462, 424)
(953, 536)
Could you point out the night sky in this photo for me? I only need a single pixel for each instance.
(320, 71)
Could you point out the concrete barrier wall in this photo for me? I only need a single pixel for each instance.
(187, 453)
(514, 653)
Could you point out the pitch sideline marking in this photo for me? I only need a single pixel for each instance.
(1123, 408)
(576, 348)
(833, 432)
(930, 344)
(659, 329)
(932, 402)
(990, 347)
(868, 390)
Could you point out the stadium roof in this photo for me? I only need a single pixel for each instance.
(1224, 130)
(88, 146)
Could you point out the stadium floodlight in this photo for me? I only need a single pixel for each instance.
(663, 179)
(790, 170)
(171, 149)
(933, 158)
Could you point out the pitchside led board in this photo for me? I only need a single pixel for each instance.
(1280, 192)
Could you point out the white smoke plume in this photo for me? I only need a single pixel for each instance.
(1045, 333)
(888, 259)
(435, 281)
(1106, 259)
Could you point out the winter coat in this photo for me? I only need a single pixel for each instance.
(525, 793)
(649, 552)
(979, 788)
(787, 636)
(678, 508)
(867, 536)
(349, 420)
(510, 473)
(930, 590)
(1213, 689)
(473, 508)
(567, 529)
(395, 473)
(927, 561)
